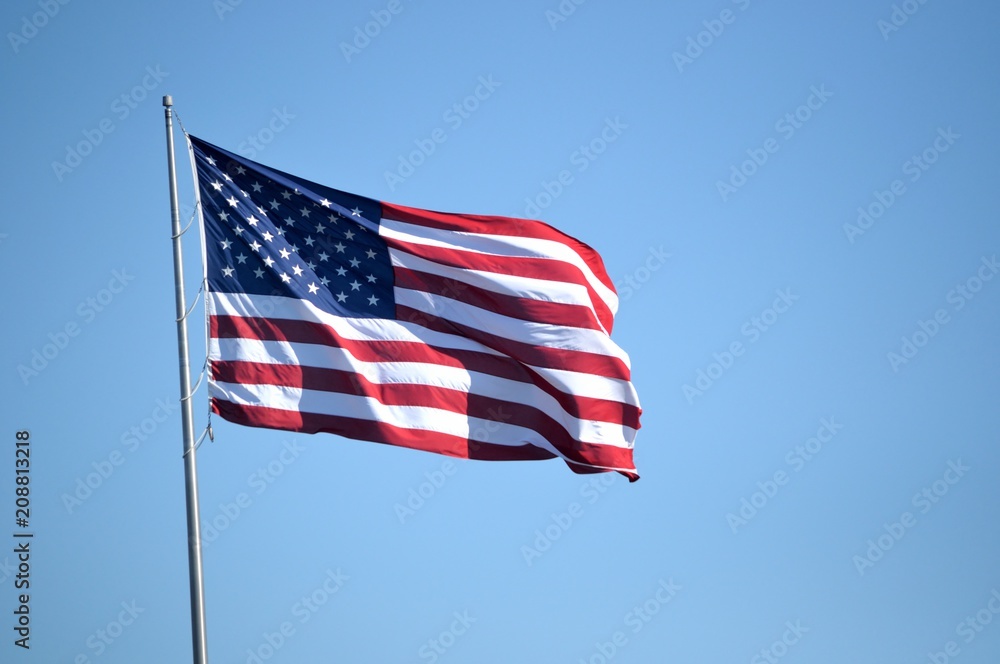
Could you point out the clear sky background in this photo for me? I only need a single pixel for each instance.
(839, 375)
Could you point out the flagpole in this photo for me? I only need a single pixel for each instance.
(187, 419)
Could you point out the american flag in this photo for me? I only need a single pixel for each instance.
(472, 336)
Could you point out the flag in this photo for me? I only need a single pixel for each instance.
(472, 336)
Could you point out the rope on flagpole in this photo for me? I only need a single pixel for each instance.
(201, 289)
(190, 221)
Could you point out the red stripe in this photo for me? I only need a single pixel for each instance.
(522, 308)
(541, 356)
(418, 439)
(549, 269)
(491, 225)
(403, 394)
(292, 331)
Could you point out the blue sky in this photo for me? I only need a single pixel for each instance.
(796, 201)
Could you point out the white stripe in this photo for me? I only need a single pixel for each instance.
(528, 332)
(363, 329)
(498, 245)
(505, 284)
(417, 418)
(589, 385)
(418, 373)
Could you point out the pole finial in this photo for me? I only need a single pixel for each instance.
(168, 101)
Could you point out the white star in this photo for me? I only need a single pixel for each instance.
(269, 261)
(320, 228)
(355, 285)
(232, 201)
(354, 262)
(238, 230)
(341, 297)
(323, 256)
(286, 194)
(211, 161)
(261, 210)
(313, 288)
(245, 194)
(228, 271)
(226, 244)
(325, 203)
(274, 204)
(297, 270)
(259, 272)
(305, 211)
(217, 185)
(356, 212)
(285, 277)
(224, 216)
(255, 245)
(241, 170)
(373, 300)
(241, 258)
(252, 220)
(324, 281)
(295, 249)
(371, 253)
(333, 218)
(267, 236)
(289, 221)
(371, 278)
(309, 241)
(349, 234)
(311, 265)
(256, 187)
(341, 272)
(284, 253)
(339, 247)
(226, 177)
(281, 231)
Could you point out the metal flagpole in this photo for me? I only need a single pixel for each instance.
(190, 467)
